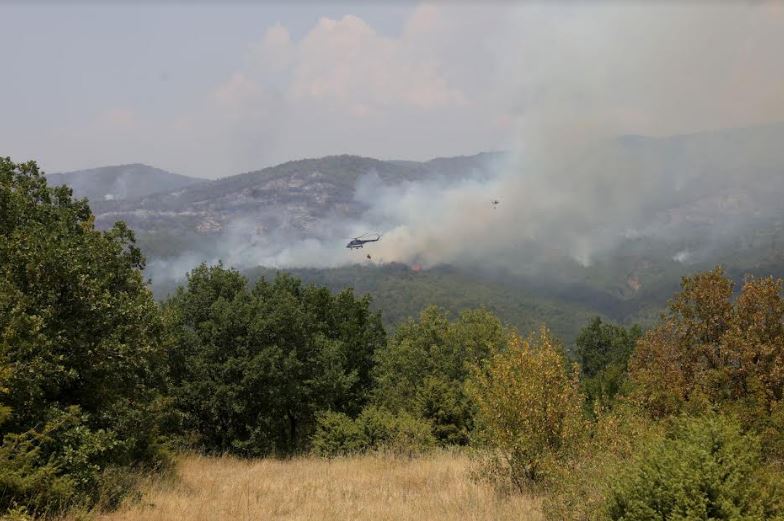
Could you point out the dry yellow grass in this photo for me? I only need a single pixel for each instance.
(436, 487)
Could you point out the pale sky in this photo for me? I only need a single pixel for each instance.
(212, 89)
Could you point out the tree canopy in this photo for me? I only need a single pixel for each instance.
(252, 367)
(423, 368)
(529, 408)
(80, 357)
(711, 351)
(603, 351)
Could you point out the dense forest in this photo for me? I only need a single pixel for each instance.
(101, 385)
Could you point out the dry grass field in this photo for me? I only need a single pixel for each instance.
(436, 487)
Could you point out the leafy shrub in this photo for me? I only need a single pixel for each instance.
(31, 478)
(400, 433)
(445, 405)
(580, 484)
(705, 469)
(62, 465)
(529, 409)
(374, 429)
(338, 435)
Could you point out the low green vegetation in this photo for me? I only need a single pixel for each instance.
(99, 383)
(374, 429)
(705, 468)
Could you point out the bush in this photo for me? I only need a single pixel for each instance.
(444, 404)
(580, 484)
(374, 429)
(705, 469)
(529, 410)
(338, 435)
(62, 465)
(399, 433)
(603, 351)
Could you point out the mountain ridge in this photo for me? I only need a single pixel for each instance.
(308, 189)
(120, 182)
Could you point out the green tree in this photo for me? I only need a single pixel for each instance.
(603, 351)
(80, 356)
(253, 368)
(709, 351)
(529, 409)
(423, 368)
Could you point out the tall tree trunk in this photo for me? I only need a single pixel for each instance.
(292, 431)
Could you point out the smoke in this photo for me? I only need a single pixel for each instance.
(578, 85)
(582, 78)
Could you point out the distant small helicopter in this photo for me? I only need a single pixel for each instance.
(359, 242)
(495, 203)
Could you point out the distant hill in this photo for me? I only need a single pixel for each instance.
(290, 196)
(121, 182)
(718, 202)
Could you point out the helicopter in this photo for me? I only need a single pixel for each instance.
(495, 203)
(359, 242)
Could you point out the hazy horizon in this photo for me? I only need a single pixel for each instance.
(214, 89)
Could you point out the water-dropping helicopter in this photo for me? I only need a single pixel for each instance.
(359, 242)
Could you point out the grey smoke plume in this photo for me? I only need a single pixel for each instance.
(576, 82)
(583, 78)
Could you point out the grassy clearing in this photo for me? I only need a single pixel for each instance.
(436, 487)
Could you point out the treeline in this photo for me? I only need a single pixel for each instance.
(400, 293)
(100, 384)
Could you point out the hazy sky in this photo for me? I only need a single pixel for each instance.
(213, 89)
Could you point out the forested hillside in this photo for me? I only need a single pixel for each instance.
(392, 261)
(721, 207)
(401, 293)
